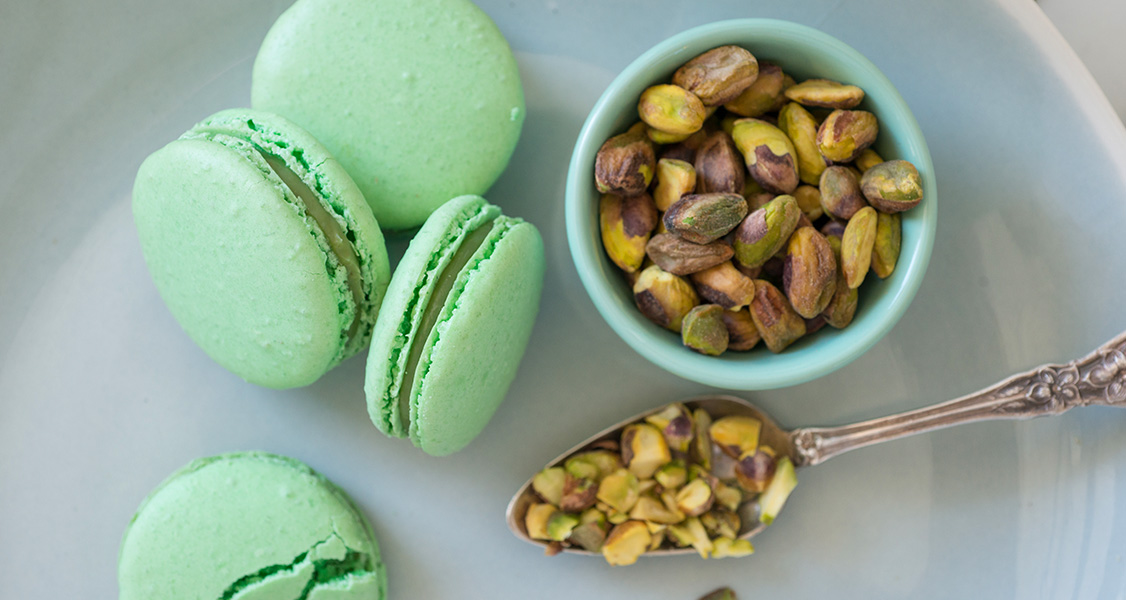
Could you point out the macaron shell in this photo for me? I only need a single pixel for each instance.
(252, 525)
(239, 268)
(474, 351)
(420, 100)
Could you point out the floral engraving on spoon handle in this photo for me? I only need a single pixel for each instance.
(1096, 379)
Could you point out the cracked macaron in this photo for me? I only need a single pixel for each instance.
(249, 526)
(262, 247)
(454, 325)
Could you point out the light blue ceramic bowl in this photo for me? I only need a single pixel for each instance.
(804, 53)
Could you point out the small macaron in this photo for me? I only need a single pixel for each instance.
(262, 246)
(249, 526)
(454, 325)
(420, 100)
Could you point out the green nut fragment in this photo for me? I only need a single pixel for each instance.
(769, 154)
(704, 218)
(588, 536)
(765, 231)
(560, 525)
(885, 252)
(662, 137)
(693, 531)
(825, 93)
(626, 224)
(778, 323)
(624, 164)
(856, 245)
(726, 547)
(606, 461)
(681, 257)
(578, 494)
(762, 95)
(672, 475)
(695, 498)
(801, 128)
(653, 510)
(720, 522)
(754, 471)
(704, 330)
(809, 276)
(727, 496)
(840, 192)
(700, 450)
(724, 285)
(724, 593)
(867, 159)
(675, 423)
(719, 166)
(671, 109)
(844, 134)
(619, 490)
(626, 543)
(893, 186)
(719, 75)
(809, 201)
(777, 491)
(737, 436)
(664, 298)
(644, 449)
(741, 332)
(548, 483)
(675, 178)
(536, 520)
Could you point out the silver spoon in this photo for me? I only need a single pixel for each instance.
(1096, 379)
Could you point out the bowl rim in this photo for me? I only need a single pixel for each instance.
(740, 374)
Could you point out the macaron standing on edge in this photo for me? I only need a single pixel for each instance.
(262, 246)
(420, 100)
(245, 526)
(455, 323)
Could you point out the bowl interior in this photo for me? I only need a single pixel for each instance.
(802, 52)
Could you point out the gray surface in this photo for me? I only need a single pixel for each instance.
(101, 395)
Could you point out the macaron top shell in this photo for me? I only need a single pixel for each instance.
(439, 377)
(420, 100)
(243, 266)
(249, 526)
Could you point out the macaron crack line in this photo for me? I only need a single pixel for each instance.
(328, 564)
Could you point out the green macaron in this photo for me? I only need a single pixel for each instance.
(454, 325)
(249, 526)
(262, 246)
(419, 99)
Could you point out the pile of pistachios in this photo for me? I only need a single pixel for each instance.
(725, 259)
(655, 487)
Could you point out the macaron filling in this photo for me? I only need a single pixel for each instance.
(337, 238)
(433, 311)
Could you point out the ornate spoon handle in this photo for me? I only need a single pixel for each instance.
(1098, 378)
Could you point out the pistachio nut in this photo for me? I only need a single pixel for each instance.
(724, 285)
(624, 164)
(695, 498)
(758, 200)
(737, 436)
(672, 109)
(719, 75)
(840, 192)
(809, 201)
(892, 186)
(721, 522)
(842, 307)
(815, 324)
(844, 134)
(833, 229)
(672, 475)
(606, 460)
(704, 218)
(787, 83)
(664, 298)
(686, 150)
(825, 93)
(548, 483)
(769, 154)
(741, 332)
(536, 519)
(626, 224)
(752, 272)
(856, 245)
(719, 167)
(764, 232)
(619, 490)
(885, 251)
(700, 451)
(560, 525)
(762, 95)
(593, 515)
(727, 496)
(652, 510)
(626, 543)
(681, 257)
(725, 547)
(644, 449)
(704, 331)
(801, 128)
(663, 137)
(675, 178)
(578, 494)
(775, 319)
(675, 423)
(724, 593)
(753, 472)
(867, 159)
(809, 275)
(588, 536)
(699, 536)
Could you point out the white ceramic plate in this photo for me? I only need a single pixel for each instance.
(102, 396)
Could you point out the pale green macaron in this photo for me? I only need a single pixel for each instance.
(454, 325)
(419, 99)
(249, 526)
(262, 246)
